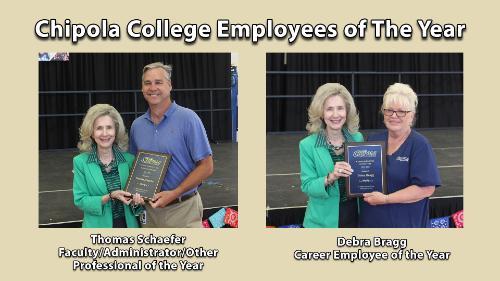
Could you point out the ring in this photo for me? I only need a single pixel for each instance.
(340, 171)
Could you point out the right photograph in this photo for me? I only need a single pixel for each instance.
(368, 140)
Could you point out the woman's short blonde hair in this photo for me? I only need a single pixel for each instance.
(317, 107)
(401, 94)
(87, 127)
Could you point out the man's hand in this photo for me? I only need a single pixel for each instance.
(161, 199)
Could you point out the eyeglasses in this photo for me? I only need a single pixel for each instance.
(399, 113)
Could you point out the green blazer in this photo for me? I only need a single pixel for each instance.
(315, 164)
(89, 187)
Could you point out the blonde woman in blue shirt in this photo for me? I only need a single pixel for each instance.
(333, 120)
(412, 172)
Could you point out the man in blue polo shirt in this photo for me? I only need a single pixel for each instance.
(170, 128)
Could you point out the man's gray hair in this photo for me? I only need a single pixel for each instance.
(166, 67)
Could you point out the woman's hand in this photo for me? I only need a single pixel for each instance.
(121, 195)
(376, 198)
(341, 169)
(137, 199)
(409, 194)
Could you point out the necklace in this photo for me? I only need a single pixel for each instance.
(402, 139)
(394, 144)
(336, 137)
(335, 147)
(109, 166)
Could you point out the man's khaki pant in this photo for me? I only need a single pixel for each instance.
(186, 214)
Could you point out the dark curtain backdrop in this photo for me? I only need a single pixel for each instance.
(122, 72)
(290, 114)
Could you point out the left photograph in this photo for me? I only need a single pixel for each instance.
(131, 140)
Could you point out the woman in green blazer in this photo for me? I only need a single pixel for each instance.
(101, 171)
(333, 120)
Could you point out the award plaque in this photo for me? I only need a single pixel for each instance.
(367, 159)
(147, 173)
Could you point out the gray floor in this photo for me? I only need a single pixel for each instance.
(283, 167)
(56, 183)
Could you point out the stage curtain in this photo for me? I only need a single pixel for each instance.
(290, 114)
(122, 71)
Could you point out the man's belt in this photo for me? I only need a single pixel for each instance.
(182, 198)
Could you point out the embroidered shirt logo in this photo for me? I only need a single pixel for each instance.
(402, 159)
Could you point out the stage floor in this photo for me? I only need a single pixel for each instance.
(56, 184)
(283, 167)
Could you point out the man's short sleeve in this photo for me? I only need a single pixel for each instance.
(132, 148)
(197, 141)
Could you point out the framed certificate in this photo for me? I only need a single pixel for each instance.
(368, 160)
(147, 173)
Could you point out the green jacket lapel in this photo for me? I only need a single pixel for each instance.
(325, 159)
(123, 170)
(96, 173)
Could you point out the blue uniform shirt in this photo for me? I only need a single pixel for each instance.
(413, 163)
(180, 133)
